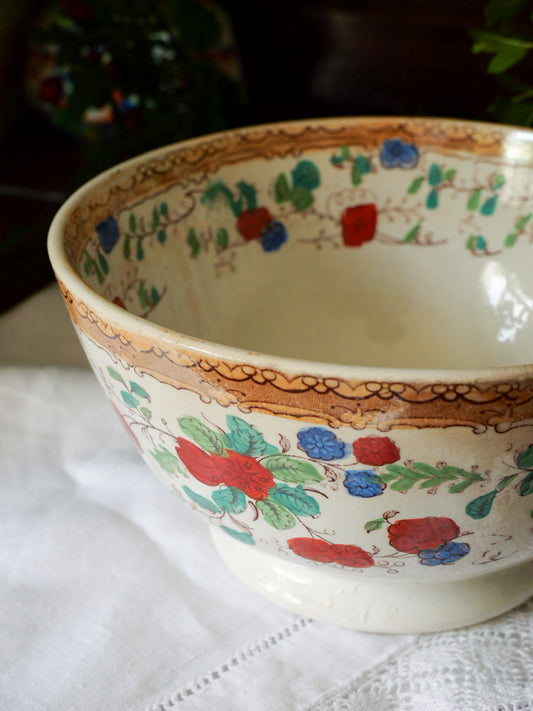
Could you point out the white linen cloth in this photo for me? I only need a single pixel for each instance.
(113, 598)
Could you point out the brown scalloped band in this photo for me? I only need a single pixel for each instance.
(331, 401)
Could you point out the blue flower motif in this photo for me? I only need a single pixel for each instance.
(445, 554)
(395, 153)
(108, 232)
(274, 237)
(363, 482)
(320, 443)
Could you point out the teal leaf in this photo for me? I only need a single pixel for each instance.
(291, 470)
(206, 438)
(116, 376)
(276, 515)
(166, 460)
(302, 198)
(282, 190)
(201, 501)
(245, 439)
(194, 242)
(481, 243)
(161, 236)
(434, 175)
(248, 193)
(305, 175)
(138, 390)
(230, 499)
(525, 458)
(489, 205)
(139, 254)
(415, 185)
(295, 499)
(474, 200)
(163, 208)
(155, 296)
(526, 486)
(363, 164)
(239, 535)
(432, 200)
(480, 507)
(129, 399)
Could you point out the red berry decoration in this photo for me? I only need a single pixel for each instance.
(199, 463)
(324, 552)
(252, 223)
(245, 473)
(418, 534)
(359, 224)
(375, 450)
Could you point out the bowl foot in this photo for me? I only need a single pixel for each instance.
(376, 605)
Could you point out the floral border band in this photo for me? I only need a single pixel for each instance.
(191, 162)
(330, 401)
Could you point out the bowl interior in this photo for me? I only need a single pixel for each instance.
(380, 242)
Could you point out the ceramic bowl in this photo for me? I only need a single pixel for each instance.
(319, 336)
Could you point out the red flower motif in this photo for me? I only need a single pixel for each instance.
(199, 463)
(359, 224)
(251, 223)
(375, 450)
(418, 534)
(324, 552)
(245, 473)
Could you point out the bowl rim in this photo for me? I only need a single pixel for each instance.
(123, 320)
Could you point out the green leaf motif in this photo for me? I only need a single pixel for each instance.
(521, 223)
(138, 390)
(506, 481)
(474, 200)
(305, 175)
(282, 190)
(194, 242)
(140, 251)
(126, 249)
(146, 412)
(104, 266)
(448, 175)
(426, 476)
(155, 218)
(480, 507)
(230, 499)
(222, 238)
(374, 525)
(302, 198)
(155, 296)
(295, 499)
(415, 185)
(201, 501)
(116, 376)
(434, 175)
(241, 536)
(481, 243)
(276, 515)
(245, 439)
(129, 399)
(248, 193)
(163, 208)
(206, 438)
(498, 181)
(432, 200)
(161, 236)
(143, 296)
(526, 486)
(510, 240)
(291, 470)
(356, 176)
(363, 164)
(525, 458)
(471, 242)
(166, 460)
(412, 234)
(132, 222)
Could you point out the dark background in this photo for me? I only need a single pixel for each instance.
(300, 59)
